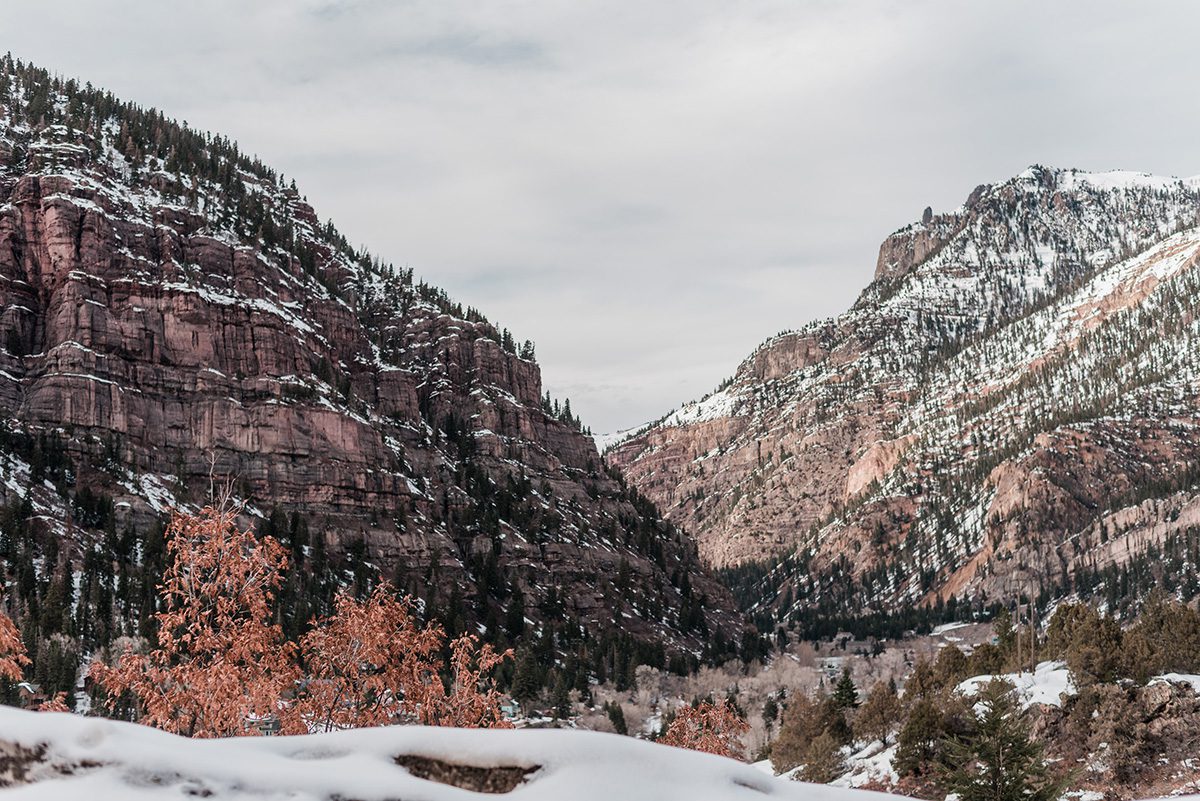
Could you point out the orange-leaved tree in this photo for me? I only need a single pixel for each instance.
(221, 665)
(12, 650)
(58, 703)
(712, 728)
(472, 701)
(370, 664)
(363, 660)
(220, 661)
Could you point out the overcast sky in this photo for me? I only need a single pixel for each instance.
(645, 189)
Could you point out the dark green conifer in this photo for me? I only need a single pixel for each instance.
(845, 694)
(998, 761)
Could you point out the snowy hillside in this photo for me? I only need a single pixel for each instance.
(1032, 351)
(606, 441)
(59, 756)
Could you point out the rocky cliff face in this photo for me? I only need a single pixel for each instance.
(1020, 376)
(175, 317)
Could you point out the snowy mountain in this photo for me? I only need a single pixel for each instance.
(175, 319)
(1009, 408)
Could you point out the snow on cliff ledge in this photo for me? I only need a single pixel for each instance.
(62, 756)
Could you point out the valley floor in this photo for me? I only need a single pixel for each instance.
(1163, 712)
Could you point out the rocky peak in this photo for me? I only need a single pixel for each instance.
(1038, 231)
(913, 244)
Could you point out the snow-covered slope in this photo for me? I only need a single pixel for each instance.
(61, 756)
(606, 441)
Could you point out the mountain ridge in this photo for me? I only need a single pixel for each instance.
(175, 318)
(796, 453)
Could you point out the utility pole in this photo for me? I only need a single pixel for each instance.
(1036, 625)
(1017, 622)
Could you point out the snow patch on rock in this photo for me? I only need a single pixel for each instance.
(1045, 685)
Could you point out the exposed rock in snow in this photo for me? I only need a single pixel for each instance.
(1190, 679)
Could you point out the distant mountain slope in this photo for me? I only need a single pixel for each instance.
(1008, 408)
(175, 317)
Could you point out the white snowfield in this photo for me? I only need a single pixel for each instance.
(606, 441)
(92, 759)
(62, 757)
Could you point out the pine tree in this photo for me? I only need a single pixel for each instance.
(527, 681)
(804, 719)
(1097, 652)
(919, 738)
(562, 697)
(770, 711)
(514, 618)
(877, 717)
(998, 761)
(616, 716)
(1006, 635)
(55, 609)
(823, 763)
(951, 666)
(1166, 638)
(845, 694)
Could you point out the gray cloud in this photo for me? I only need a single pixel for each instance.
(648, 190)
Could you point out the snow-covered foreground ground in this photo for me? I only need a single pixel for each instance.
(62, 756)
